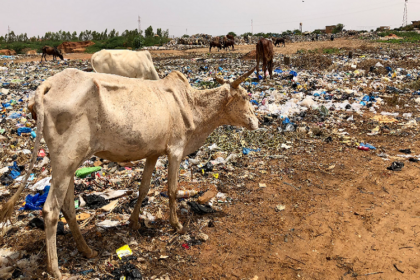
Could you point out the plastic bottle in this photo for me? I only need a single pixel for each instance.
(186, 194)
(363, 148)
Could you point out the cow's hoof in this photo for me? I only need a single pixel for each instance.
(93, 254)
(179, 228)
(134, 225)
(56, 274)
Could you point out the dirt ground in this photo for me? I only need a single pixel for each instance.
(346, 216)
(291, 48)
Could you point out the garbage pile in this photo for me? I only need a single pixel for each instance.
(334, 98)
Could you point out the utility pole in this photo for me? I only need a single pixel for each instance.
(405, 14)
(8, 30)
(186, 31)
(139, 24)
(252, 27)
(300, 27)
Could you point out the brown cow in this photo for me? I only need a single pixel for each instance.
(278, 41)
(230, 37)
(265, 51)
(50, 51)
(215, 44)
(229, 43)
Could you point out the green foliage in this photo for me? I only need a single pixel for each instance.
(165, 33)
(138, 43)
(338, 28)
(149, 32)
(297, 32)
(102, 40)
(232, 33)
(185, 36)
(246, 34)
(408, 37)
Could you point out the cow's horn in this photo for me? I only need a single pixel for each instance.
(242, 78)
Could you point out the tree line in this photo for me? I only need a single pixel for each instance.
(86, 35)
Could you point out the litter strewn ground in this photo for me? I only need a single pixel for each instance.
(320, 191)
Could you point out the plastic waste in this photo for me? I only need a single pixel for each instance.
(124, 251)
(83, 172)
(186, 194)
(396, 166)
(21, 130)
(34, 202)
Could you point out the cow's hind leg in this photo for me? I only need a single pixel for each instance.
(264, 67)
(70, 215)
(174, 162)
(143, 190)
(270, 68)
(61, 177)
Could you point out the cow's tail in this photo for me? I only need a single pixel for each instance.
(6, 210)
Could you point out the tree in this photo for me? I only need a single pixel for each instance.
(232, 33)
(166, 33)
(74, 36)
(159, 32)
(338, 28)
(149, 31)
(297, 32)
(246, 34)
(185, 36)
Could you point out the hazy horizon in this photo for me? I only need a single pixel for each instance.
(192, 17)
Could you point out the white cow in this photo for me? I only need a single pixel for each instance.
(82, 114)
(125, 63)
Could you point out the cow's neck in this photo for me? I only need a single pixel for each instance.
(208, 111)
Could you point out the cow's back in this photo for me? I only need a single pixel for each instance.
(131, 64)
(132, 113)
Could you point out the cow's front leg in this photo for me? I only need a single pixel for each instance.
(143, 190)
(174, 162)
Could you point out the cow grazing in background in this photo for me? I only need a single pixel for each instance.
(279, 41)
(230, 37)
(229, 43)
(215, 44)
(47, 50)
(265, 52)
(125, 63)
(120, 119)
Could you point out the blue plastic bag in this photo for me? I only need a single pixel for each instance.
(21, 130)
(15, 116)
(286, 121)
(367, 146)
(35, 202)
(14, 170)
(254, 102)
(246, 151)
(293, 73)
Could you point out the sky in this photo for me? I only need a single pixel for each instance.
(216, 17)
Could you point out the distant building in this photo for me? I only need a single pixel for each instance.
(384, 28)
(329, 29)
(416, 23)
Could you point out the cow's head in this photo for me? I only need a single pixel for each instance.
(58, 53)
(239, 110)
